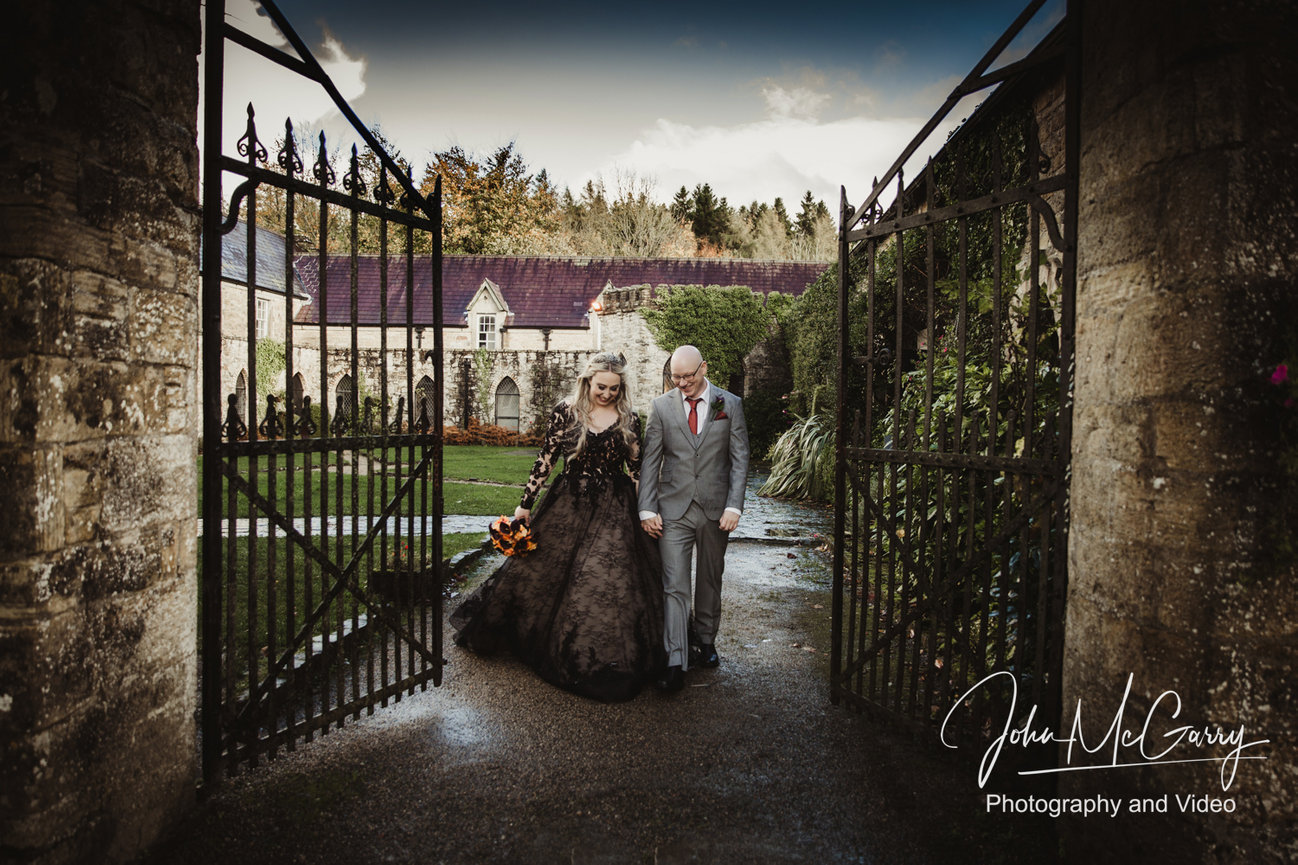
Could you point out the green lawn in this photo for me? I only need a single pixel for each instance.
(502, 465)
(295, 596)
(459, 542)
(365, 493)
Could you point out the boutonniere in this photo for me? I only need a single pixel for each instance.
(718, 409)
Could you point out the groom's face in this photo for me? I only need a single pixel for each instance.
(690, 377)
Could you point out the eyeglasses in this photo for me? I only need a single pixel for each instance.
(680, 379)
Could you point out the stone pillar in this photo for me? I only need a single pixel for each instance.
(1182, 540)
(98, 427)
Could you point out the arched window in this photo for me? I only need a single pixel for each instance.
(507, 404)
(423, 406)
(241, 396)
(344, 400)
(296, 390)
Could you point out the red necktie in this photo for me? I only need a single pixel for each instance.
(694, 414)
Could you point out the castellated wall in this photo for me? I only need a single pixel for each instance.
(623, 329)
(99, 232)
(1181, 565)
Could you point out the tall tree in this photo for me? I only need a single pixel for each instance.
(585, 220)
(819, 242)
(629, 222)
(783, 215)
(709, 217)
(769, 240)
(815, 237)
(491, 204)
(739, 234)
(682, 206)
(806, 222)
(642, 228)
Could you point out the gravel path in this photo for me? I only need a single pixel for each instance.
(750, 763)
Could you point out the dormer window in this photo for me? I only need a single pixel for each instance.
(487, 331)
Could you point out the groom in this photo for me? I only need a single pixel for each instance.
(692, 485)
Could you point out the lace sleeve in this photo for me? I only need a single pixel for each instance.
(633, 457)
(560, 420)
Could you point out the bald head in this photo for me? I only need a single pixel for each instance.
(689, 372)
(687, 356)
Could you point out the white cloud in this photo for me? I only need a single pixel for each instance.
(794, 102)
(275, 92)
(781, 156)
(803, 143)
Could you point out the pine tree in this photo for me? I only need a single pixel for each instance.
(783, 215)
(806, 223)
(708, 216)
(681, 206)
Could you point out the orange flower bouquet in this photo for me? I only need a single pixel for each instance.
(512, 537)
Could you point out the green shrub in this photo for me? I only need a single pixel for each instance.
(802, 461)
(767, 420)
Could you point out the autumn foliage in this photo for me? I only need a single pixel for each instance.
(488, 434)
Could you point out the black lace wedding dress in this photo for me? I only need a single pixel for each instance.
(585, 608)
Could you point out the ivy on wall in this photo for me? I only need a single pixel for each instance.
(272, 361)
(482, 369)
(547, 387)
(722, 323)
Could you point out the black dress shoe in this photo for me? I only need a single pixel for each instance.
(708, 655)
(672, 681)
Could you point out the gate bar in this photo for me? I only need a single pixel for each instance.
(972, 83)
(214, 76)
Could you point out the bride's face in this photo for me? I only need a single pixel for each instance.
(605, 387)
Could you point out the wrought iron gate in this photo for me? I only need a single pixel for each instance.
(955, 384)
(321, 512)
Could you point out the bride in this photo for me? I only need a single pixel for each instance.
(585, 608)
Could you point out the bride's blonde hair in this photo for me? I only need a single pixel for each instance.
(582, 402)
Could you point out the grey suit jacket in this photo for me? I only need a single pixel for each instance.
(680, 467)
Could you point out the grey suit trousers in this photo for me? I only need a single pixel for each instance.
(682, 539)
(689, 480)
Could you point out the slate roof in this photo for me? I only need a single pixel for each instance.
(541, 291)
(270, 260)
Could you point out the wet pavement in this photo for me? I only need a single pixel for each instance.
(750, 763)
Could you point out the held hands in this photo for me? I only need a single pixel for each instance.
(654, 525)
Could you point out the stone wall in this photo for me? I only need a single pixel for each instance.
(623, 329)
(458, 338)
(543, 378)
(98, 350)
(1181, 566)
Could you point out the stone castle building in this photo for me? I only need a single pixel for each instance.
(516, 330)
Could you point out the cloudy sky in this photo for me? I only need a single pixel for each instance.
(760, 100)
